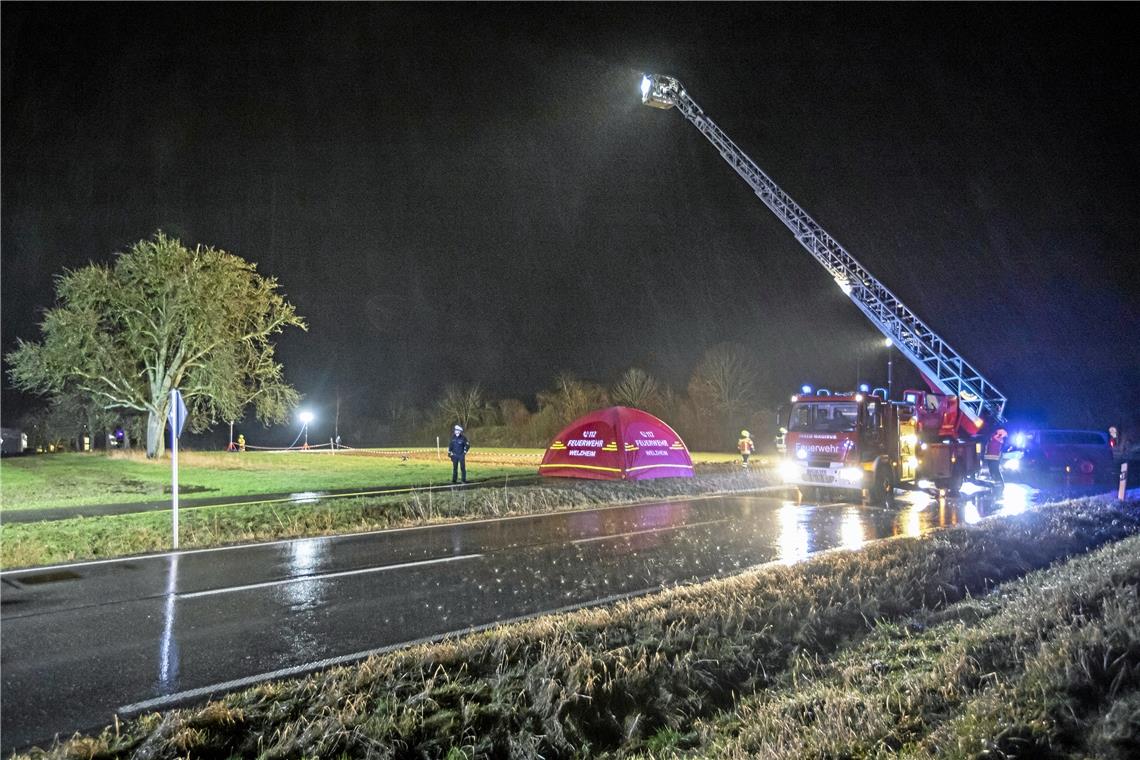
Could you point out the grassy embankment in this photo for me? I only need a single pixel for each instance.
(1047, 667)
(928, 646)
(48, 542)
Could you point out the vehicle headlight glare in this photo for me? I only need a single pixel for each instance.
(851, 474)
(790, 471)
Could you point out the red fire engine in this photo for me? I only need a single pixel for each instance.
(864, 440)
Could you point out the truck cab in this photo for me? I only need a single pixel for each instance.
(850, 441)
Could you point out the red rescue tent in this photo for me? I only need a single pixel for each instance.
(618, 443)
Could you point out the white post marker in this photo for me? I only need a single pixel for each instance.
(177, 418)
(437, 448)
(1123, 481)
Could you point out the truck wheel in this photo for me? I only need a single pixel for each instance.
(883, 489)
(957, 478)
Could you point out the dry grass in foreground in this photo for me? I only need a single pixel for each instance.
(1048, 667)
(633, 677)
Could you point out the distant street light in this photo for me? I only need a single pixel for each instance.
(305, 417)
(860, 348)
(890, 367)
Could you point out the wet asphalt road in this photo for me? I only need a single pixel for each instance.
(83, 642)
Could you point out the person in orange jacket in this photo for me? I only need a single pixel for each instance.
(992, 454)
(745, 447)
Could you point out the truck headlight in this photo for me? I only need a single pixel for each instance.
(790, 471)
(851, 474)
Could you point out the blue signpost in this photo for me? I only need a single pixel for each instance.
(177, 418)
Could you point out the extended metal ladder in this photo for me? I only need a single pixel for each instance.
(941, 365)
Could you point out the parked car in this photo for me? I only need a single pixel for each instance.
(13, 441)
(1075, 452)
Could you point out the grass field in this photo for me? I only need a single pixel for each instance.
(58, 480)
(1002, 639)
(63, 480)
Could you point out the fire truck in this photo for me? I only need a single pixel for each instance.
(863, 440)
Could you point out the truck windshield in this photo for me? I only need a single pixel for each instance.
(824, 416)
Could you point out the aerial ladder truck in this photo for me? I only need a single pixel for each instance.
(861, 440)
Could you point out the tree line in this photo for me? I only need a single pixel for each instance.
(728, 390)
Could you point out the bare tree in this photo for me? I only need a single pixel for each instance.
(638, 389)
(724, 380)
(466, 405)
(513, 413)
(722, 392)
(571, 398)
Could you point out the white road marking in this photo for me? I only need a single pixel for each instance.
(308, 667)
(648, 530)
(324, 576)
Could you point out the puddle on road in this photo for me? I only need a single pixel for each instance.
(50, 577)
(185, 488)
(307, 497)
(806, 526)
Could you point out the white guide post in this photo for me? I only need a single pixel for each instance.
(177, 418)
(174, 461)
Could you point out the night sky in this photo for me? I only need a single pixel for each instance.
(454, 194)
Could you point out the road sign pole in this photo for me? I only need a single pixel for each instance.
(174, 461)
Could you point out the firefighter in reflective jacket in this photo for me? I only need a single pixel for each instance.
(745, 446)
(994, 447)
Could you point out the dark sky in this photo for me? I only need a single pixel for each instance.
(453, 193)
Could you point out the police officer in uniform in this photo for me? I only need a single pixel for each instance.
(457, 450)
